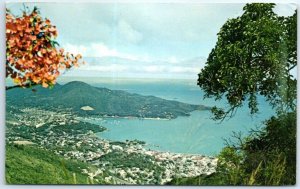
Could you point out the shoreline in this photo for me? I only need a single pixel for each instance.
(147, 146)
(130, 162)
(125, 117)
(175, 164)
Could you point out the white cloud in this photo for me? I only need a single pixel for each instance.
(112, 66)
(75, 49)
(108, 61)
(98, 49)
(95, 50)
(101, 50)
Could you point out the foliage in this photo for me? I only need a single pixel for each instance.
(31, 165)
(267, 157)
(253, 56)
(275, 147)
(32, 56)
(74, 129)
(123, 160)
(229, 162)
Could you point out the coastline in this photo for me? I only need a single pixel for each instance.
(127, 162)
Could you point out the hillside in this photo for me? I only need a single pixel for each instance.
(85, 99)
(32, 165)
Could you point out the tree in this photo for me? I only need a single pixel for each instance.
(32, 56)
(253, 56)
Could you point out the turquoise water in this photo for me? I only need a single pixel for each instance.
(196, 134)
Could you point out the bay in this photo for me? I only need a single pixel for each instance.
(194, 134)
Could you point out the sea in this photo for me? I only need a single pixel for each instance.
(194, 134)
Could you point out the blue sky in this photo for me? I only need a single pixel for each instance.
(152, 40)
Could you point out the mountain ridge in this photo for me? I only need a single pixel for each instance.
(103, 101)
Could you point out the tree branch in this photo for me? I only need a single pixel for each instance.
(292, 67)
(27, 85)
(231, 111)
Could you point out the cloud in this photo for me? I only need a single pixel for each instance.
(113, 66)
(101, 50)
(128, 33)
(158, 29)
(153, 69)
(95, 49)
(106, 68)
(183, 69)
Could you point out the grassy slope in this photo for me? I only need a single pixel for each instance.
(31, 165)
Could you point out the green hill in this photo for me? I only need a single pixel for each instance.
(102, 101)
(32, 165)
(214, 179)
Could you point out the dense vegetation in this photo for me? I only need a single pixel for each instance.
(29, 132)
(267, 157)
(76, 94)
(32, 165)
(254, 56)
(74, 129)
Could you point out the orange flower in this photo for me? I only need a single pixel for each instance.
(31, 50)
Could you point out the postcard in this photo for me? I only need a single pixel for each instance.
(112, 93)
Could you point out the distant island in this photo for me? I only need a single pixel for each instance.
(84, 99)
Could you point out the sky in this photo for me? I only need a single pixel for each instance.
(139, 40)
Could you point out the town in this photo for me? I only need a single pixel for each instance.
(127, 162)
